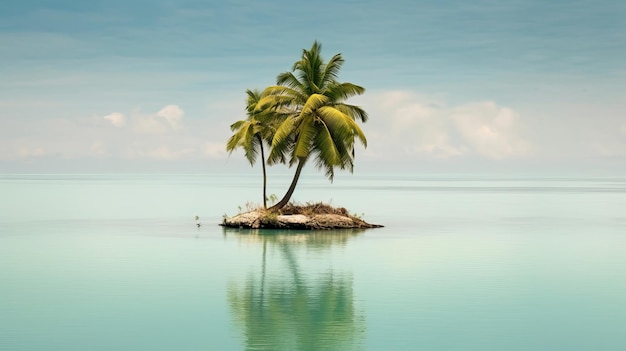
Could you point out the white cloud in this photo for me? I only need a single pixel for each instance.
(439, 146)
(117, 136)
(419, 126)
(490, 130)
(148, 124)
(117, 119)
(167, 118)
(404, 127)
(172, 114)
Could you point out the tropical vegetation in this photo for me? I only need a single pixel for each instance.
(252, 133)
(303, 116)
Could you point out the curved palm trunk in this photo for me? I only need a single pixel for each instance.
(264, 174)
(292, 187)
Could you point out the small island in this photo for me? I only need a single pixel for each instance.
(318, 216)
(304, 116)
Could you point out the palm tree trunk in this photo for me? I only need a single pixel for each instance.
(292, 187)
(264, 174)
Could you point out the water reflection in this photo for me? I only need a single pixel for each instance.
(287, 304)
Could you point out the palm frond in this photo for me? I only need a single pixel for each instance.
(314, 102)
(244, 137)
(343, 123)
(278, 96)
(289, 79)
(251, 146)
(339, 92)
(328, 153)
(310, 69)
(305, 133)
(331, 69)
(234, 141)
(283, 138)
(355, 112)
(238, 125)
(253, 96)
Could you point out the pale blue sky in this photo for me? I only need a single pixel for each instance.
(451, 85)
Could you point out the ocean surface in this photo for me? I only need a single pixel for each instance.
(464, 262)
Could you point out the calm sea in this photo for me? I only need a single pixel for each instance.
(118, 262)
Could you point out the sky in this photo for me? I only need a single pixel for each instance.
(521, 86)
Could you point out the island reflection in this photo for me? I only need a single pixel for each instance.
(284, 306)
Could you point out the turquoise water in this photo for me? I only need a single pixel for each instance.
(116, 262)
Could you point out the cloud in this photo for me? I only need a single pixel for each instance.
(167, 118)
(116, 136)
(490, 130)
(172, 114)
(412, 124)
(148, 124)
(117, 119)
(405, 127)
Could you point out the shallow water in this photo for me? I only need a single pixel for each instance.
(116, 262)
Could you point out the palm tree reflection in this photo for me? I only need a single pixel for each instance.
(293, 310)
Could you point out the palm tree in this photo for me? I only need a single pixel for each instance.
(251, 133)
(318, 122)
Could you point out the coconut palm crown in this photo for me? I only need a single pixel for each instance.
(251, 133)
(317, 120)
